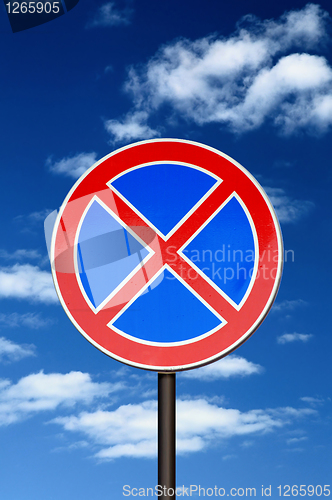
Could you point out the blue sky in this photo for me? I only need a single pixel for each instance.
(250, 78)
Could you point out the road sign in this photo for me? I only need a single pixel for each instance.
(166, 254)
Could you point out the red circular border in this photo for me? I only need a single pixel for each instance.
(242, 324)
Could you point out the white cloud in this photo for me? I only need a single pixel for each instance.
(72, 166)
(291, 91)
(14, 352)
(133, 126)
(40, 392)
(300, 27)
(257, 74)
(27, 282)
(293, 337)
(131, 430)
(30, 320)
(230, 366)
(289, 210)
(109, 15)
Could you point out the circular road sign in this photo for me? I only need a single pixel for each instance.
(166, 255)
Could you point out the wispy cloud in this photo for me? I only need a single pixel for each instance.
(109, 15)
(20, 254)
(29, 223)
(289, 210)
(296, 440)
(34, 218)
(230, 366)
(229, 457)
(40, 392)
(258, 74)
(288, 305)
(24, 281)
(30, 320)
(247, 443)
(294, 337)
(72, 166)
(130, 430)
(313, 401)
(132, 126)
(72, 447)
(283, 164)
(10, 351)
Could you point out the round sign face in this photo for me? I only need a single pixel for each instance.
(166, 255)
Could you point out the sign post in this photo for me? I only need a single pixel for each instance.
(166, 434)
(167, 255)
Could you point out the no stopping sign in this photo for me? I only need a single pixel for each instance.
(166, 254)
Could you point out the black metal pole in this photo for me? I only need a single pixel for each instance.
(166, 435)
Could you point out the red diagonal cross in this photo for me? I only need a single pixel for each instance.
(166, 252)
